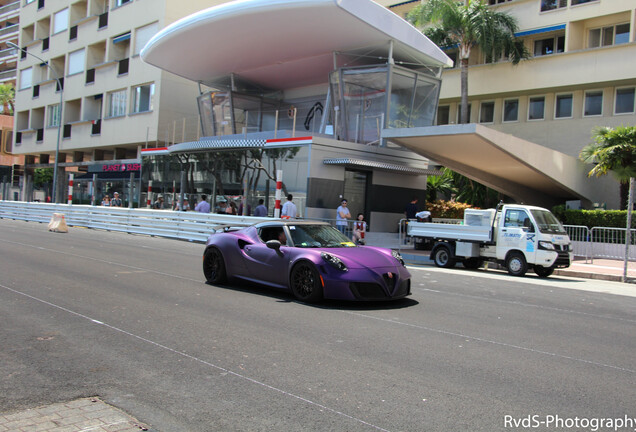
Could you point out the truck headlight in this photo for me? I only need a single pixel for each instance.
(334, 261)
(546, 245)
(397, 256)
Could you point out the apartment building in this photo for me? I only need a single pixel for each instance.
(80, 75)
(582, 75)
(10, 166)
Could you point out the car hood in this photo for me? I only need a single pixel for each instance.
(364, 256)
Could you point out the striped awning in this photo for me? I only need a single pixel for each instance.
(382, 166)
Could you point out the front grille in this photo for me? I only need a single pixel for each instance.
(369, 291)
(373, 291)
(563, 260)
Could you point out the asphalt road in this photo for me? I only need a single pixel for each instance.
(128, 318)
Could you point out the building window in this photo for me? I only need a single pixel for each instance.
(142, 98)
(494, 2)
(511, 110)
(536, 108)
(563, 108)
(487, 112)
(53, 115)
(593, 103)
(121, 2)
(143, 35)
(443, 115)
(548, 5)
(117, 103)
(624, 101)
(578, 2)
(606, 36)
(76, 62)
(60, 21)
(549, 46)
(26, 77)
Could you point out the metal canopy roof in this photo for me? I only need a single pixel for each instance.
(285, 44)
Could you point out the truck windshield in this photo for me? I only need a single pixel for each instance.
(546, 222)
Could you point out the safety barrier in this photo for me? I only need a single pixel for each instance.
(192, 226)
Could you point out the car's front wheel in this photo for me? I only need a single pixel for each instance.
(516, 264)
(214, 266)
(305, 282)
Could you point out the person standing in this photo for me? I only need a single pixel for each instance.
(116, 201)
(289, 210)
(260, 210)
(203, 206)
(106, 201)
(342, 215)
(410, 213)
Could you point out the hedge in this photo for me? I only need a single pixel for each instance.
(593, 218)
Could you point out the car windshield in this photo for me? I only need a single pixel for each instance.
(547, 223)
(318, 236)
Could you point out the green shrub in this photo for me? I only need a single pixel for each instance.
(447, 209)
(593, 218)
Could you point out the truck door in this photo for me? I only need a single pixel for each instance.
(517, 233)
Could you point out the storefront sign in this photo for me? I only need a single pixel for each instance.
(118, 167)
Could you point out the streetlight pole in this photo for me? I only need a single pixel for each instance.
(54, 196)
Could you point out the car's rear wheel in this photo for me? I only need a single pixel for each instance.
(442, 257)
(214, 266)
(305, 282)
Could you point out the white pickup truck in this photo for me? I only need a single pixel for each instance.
(518, 237)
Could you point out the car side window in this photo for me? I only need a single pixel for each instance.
(517, 219)
(272, 233)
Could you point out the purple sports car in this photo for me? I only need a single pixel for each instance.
(313, 260)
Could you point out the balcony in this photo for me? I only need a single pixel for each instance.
(566, 70)
(10, 10)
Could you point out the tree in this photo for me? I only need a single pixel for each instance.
(7, 98)
(436, 185)
(614, 150)
(467, 24)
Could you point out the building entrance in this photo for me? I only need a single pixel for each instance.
(355, 191)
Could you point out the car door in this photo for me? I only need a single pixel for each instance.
(265, 264)
(517, 233)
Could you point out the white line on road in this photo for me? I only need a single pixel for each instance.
(198, 360)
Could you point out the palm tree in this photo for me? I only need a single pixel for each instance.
(7, 98)
(466, 24)
(615, 150)
(442, 184)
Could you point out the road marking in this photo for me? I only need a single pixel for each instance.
(492, 342)
(224, 371)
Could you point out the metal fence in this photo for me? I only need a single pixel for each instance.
(598, 242)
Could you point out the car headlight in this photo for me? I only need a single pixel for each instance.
(546, 245)
(397, 256)
(334, 261)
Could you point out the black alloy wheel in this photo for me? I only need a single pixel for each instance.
(305, 282)
(214, 266)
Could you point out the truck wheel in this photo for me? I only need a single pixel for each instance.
(543, 272)
(516, 264)
(472, 263)
(442, 257)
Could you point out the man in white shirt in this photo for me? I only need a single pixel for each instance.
(289, 209)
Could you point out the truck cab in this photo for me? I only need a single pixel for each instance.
(526, 236)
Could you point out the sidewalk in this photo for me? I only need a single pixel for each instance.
(88, 414)
(600, 269)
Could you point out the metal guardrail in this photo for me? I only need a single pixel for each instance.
(598, 242)
(192, 226)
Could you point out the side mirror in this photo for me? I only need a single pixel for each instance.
(273, 244)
